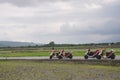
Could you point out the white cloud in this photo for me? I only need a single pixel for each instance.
(93, 6)
(62, 5)
(68, 21)
(109, 1)
(9, 10)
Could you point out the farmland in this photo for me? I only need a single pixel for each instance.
(54, 70)
(45, 51)
(36, 70)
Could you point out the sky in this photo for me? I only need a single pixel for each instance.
(61, 21)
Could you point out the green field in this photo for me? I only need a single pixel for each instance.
(36, 70)
(21, 52)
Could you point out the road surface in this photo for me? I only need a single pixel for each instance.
(42, 58)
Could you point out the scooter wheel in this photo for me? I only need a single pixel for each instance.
(98, 57)
(50, 57)
(86, 56)
(113, 57)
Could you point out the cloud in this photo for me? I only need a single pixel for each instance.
(62, 21)
(20, 3)
(107, 28)
(110, 27)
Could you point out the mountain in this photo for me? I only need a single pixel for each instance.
(16, 44)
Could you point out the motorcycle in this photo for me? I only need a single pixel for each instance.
(93, 55)
(60, 56)
(110, 55)
(68, 55)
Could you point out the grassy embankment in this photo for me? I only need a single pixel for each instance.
(35, 70)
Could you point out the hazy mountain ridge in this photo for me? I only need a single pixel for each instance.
(16, 44)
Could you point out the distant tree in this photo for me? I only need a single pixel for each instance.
(52, 44)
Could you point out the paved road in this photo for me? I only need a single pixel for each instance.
(41, 58)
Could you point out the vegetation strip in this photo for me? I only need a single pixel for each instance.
(79, 61)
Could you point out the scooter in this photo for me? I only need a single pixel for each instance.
(93, 55)
(110, 55)
(68, 55)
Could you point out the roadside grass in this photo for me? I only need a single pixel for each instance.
(36, 70)
(25, 54)
(39, 52)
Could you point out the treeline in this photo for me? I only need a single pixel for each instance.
(113, 44)
(53, 44)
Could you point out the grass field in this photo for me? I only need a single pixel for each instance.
(35, 70)
(43, 52)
